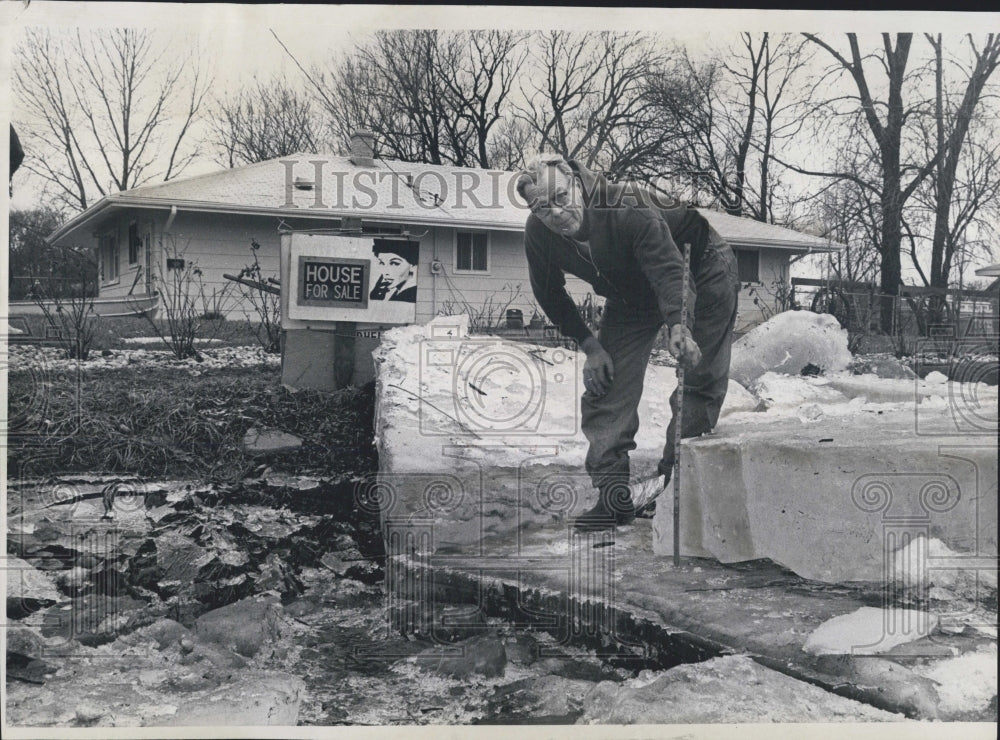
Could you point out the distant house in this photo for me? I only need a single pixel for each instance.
(468, 222)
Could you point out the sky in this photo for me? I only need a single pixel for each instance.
(240, 40)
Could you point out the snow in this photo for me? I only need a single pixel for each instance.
(739, 399)
(512, 400)
(967, 683)
(25, 581)
(869, 631)
(156, 340)
(732, 688)
(913, 570)
(787, 392)
(787, 343)
(53, 359)
(486, 414)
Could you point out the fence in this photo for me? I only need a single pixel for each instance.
(917, 312)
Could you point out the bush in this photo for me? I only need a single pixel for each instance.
(185, 305)
(68, 303)
(265, 303)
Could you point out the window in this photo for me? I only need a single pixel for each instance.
(134, 244)
(748, 265)
(471, 252)
(108, 251)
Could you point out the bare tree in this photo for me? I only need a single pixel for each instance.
(732, 113)
(67, 302)
(586, 97)
(510, 143)
(974, 208)
(849, 216)
(958, 201)
(105, 110)
(427, 96)
(784, 106)
(33, 265)
(264, 120)
(479, 70)
(901, 168)
(389, 87)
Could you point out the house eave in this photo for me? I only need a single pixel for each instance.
(80, 220)
(441, 218)
(785, 245)
(119, 202)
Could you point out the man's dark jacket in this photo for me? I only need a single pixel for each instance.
(633, 257)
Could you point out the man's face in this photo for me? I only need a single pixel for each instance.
(557, 201)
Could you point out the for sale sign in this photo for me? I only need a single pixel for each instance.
(349, 278)
(333, 282)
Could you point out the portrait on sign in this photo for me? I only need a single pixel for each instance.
(396, 267)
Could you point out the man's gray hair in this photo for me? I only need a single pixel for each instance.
(534, 169)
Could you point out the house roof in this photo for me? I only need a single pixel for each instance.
(743, 231)
(386, 191)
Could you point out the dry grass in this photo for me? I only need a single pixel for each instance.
(161, 423)
(108, 332)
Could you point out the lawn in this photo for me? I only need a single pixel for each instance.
(163, 422)
(120, 332)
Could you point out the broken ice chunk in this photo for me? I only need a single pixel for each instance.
(869, 631)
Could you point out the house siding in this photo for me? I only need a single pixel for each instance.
(773, 270)
(127, 282)
(504, 285)
(216, 243)
(220, 243)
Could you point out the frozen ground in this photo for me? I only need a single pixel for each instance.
(256, 608)
(52, 360)
(809, 470)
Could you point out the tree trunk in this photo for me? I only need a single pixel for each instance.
(892, 238)
(949, 152)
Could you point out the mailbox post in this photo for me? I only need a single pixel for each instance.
(343, 290)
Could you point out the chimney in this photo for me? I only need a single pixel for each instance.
(363, 148)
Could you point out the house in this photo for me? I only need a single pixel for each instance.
(468, 223)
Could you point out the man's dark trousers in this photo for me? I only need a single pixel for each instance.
(611, 421)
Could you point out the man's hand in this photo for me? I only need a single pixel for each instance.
(598, 370)
(682, 345)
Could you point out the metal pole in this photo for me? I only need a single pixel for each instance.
(680, 411)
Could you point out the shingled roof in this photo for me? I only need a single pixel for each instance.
(329, 186)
